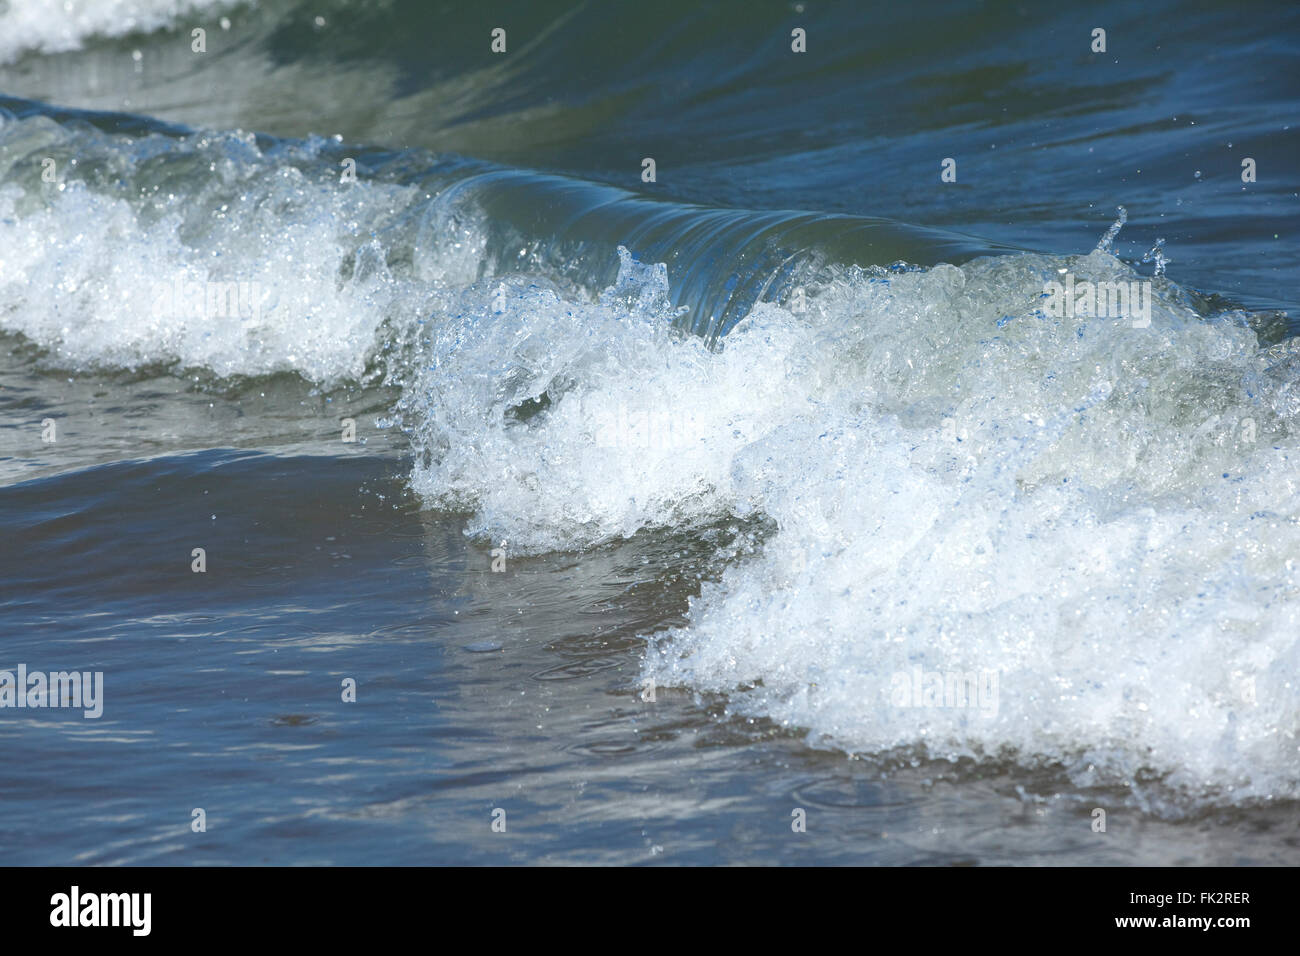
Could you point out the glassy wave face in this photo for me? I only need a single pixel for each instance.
(948, 511)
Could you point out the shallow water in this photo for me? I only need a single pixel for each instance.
(780, 435)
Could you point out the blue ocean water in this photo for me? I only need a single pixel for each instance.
(430, 484)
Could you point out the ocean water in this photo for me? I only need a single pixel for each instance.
(431, 484)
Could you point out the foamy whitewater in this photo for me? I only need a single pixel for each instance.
(56, 26)
(932, 472)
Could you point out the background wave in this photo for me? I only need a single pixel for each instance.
(1048, 136)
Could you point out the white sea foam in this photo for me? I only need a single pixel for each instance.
(84, 272)
(54, 26)
(1106, 518)
(570, 476)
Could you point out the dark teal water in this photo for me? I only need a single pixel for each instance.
(464, 294)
